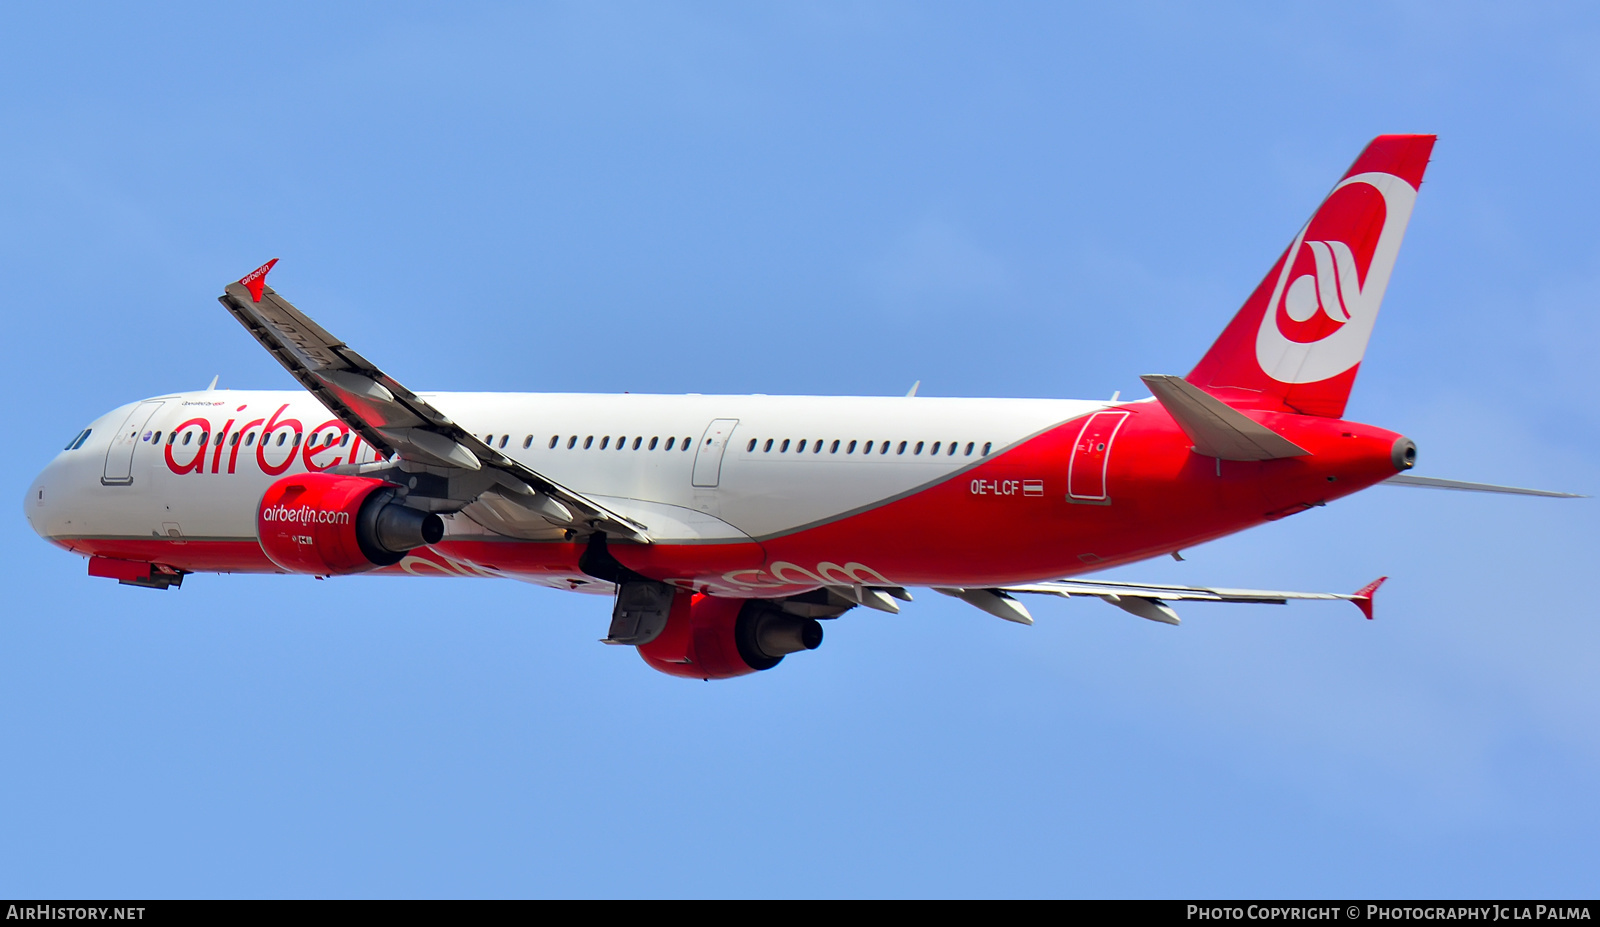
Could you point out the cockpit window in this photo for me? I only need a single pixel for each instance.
(78, 439)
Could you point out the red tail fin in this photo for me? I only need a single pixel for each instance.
(1298, 341)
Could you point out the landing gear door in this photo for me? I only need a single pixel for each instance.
(708, 456)
(119, 457)
(1091, 458)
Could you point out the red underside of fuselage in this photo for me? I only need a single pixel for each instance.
(1160, 497)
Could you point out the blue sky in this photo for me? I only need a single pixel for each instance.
(1022, 200)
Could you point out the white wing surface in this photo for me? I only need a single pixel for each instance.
(400, 424)
(1147, 600)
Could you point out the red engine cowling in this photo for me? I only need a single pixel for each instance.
(329, 525)
(708, 637)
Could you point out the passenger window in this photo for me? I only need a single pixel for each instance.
(187, 437)
(969, 449)
(902, 448)
(816, 446)
(934, 451)
(751, 447)
(172, 438)
(952, 451)
(784, 447)
(554, 440)
(154, 440)
(767, 448)
(834, 448)
(919, 449)
(654, 440)
(851, 449)
(605, 442)
(986, 446)
(572, 442)
(343, 442)
(232, 442)
(669, 443)
(685, 444)
(883, 448)
(588, 442)
(249, 439)
(503, 441)
(204, 436)
(296, 439)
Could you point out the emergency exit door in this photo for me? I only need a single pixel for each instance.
(1091, 457)
(119, 457)
(708, 456)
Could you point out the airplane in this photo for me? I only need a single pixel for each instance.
(727, 528)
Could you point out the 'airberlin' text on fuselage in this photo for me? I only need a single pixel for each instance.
(272, 456)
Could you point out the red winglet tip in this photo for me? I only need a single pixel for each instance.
(1363, 596)
(256, 280)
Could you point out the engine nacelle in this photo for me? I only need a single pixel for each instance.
(709, 637)
(328, 525)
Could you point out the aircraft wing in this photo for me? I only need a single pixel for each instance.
(1147, 600)
(400, 424)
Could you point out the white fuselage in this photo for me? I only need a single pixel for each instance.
(690, 468)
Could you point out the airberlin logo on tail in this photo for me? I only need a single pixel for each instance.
(1336, 275)
(1326, 297)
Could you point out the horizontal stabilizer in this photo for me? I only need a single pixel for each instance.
(1428, 482)
(1217, 429)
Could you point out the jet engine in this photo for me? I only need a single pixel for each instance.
(328, 525)
(708, 637)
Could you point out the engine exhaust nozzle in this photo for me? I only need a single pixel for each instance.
(777, 634)
(1403, 454)
(400, 528)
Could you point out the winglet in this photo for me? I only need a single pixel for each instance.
(256, 280)
(1363, 596)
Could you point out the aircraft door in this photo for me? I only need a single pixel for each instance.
(708, 456)
(119, 457)
(1091, 456)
